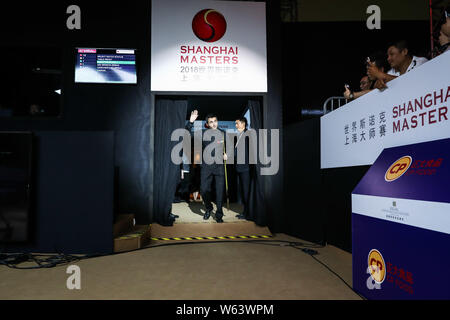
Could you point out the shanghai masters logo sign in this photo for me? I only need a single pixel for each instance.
(209, 25)
(398, 168)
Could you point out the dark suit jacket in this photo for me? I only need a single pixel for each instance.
(245, 166)
(216, 168)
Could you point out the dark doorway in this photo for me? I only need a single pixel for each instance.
(167, 199)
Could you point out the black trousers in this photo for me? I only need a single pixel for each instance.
(206, 180)
(184, 185)
(244, 183)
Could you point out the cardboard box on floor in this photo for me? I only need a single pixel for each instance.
(135, 239)
(123, 224)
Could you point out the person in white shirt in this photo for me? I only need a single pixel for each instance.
(445, 27)
(444, 34)
(444, 41)
(377, 59)
(400, 60)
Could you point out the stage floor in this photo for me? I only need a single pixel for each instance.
(225, 271)
(193, 212)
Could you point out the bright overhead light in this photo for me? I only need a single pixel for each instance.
(58, 91)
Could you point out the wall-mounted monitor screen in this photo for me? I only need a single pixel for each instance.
(94, 65)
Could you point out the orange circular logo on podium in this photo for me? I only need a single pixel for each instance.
(398, 168)
(377, 267)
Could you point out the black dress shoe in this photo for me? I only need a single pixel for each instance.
(174, 216)
(207, 215)
(240, 216)
(219, 220)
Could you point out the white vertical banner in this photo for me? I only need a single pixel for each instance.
(217, 46)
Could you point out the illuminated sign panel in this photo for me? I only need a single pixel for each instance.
(212, 46)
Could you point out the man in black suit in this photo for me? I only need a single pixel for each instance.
(184, 184)
(214, 171)
(243, 169)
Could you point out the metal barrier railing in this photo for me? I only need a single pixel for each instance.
(311, 113)
(333, 101)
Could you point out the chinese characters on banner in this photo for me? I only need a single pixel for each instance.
(366, 129)
(401, 278)
(207, 73)
(413, 109)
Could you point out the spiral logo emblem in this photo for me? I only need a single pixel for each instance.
(209, 25)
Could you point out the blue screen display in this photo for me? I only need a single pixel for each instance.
(105, 66)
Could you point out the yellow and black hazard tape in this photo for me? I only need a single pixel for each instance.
(212, 238)
(132, 235)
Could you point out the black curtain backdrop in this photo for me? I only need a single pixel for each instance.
(303, 189)
(257, 211)
(169, 115)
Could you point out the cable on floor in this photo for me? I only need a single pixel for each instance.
(13, 260)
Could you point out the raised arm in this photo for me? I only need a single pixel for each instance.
(193, 117)
(375, 73)
(349, 95)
